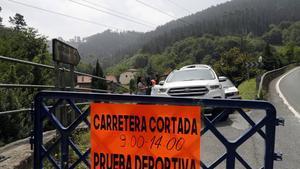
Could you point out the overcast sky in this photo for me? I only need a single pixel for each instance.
(53, 25)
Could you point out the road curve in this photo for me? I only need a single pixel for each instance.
(287, 137)
(288, 89)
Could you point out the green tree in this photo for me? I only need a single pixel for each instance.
(149, 69)
(208, 60)
(132, 86)
(140, 61)
(98, 83)
(40, 75)
(11, 76)
(269, 60)
(232, 66)
(18, 21)
(0, 17)
(10, 102)
(290, 53)
(292, 34)
(284, 24)
(297, 53)
(274, 36)
(26, 44)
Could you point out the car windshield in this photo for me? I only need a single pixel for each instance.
(189, 75)
(227, 83)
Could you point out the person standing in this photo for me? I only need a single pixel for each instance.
(141, 87)
(149, 86)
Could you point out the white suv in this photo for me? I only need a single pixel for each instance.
(198, 81)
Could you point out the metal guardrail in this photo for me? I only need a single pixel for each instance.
(32, 109)
(50, 87)
(9, 59)
(265, 127)
(53, 68)
(16, 111)
(267, 77)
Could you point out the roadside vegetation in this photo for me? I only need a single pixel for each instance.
(247, 89)
(25, 43)
(82, 140)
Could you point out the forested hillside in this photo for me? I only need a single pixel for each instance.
(237, 17)
(278, 46)
(109, 46)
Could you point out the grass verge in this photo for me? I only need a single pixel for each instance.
(247, 89)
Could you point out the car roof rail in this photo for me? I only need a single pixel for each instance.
(195, 66)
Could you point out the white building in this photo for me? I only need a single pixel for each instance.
(125, 77)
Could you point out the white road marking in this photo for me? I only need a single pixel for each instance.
(297, 114)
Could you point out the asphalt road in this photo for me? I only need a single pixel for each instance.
(287, 137)
(252, 151)
(290, 88)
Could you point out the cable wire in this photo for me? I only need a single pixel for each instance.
(110, 13)
(118, 12)
(179, 6)
(64, 15)
(163, 12)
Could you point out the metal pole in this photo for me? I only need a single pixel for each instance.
(57, 84)
(72, 74)
(72, 115)
(60, 112)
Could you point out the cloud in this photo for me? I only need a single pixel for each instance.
(58, 26)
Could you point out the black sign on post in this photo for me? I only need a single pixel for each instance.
(65, 53)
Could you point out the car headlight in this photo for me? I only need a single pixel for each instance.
(162, 90)
(236, 93)
(213, 87)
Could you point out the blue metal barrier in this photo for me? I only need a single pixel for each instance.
(42, 112)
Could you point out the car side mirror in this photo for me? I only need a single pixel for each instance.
(222, 79)
(161, 82)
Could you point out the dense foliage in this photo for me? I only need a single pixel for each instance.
(227, 54)
(98, 83)
(25, 43)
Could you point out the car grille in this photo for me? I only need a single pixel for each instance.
(188, 91)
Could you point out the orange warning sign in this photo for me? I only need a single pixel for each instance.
(135, 136)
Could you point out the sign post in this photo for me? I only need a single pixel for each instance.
(135, 136)
(64, 54)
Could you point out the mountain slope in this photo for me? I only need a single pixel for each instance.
(231, 18)
(110, 46)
